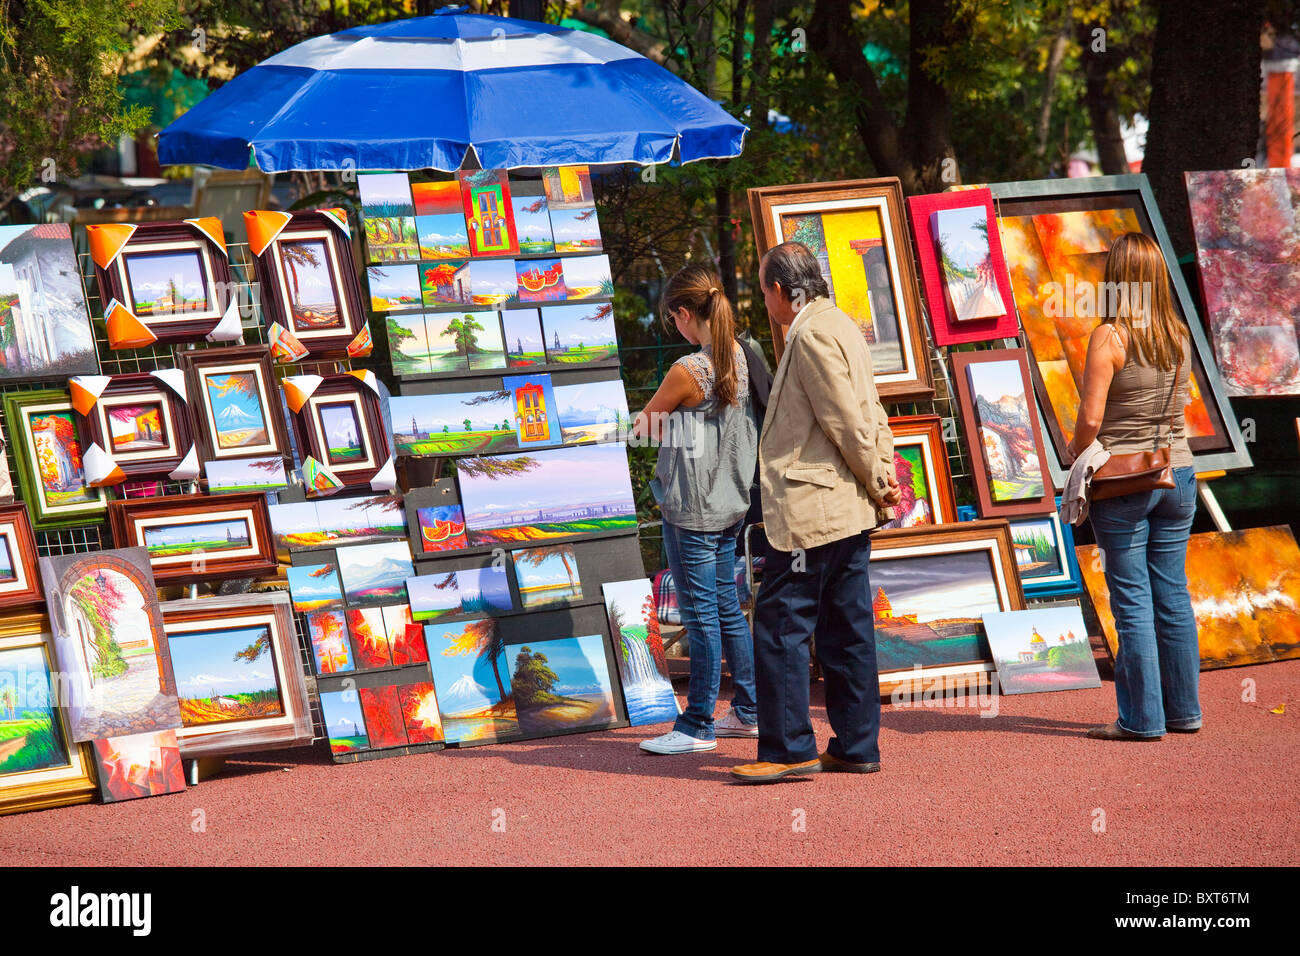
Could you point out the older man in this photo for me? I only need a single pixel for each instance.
(827, 466)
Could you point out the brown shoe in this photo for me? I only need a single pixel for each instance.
(832, 764)
(769, 772)
(1113, 731)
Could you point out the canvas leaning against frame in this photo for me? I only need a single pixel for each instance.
(309, 280)
(1056, 234)
(41, 766)
(164, 282)
(921, 466)
(233, 395)
(135, 426)
(1041, 649)
(857, 230)
(238, 674)
(1002, 434)
(192, 538)
(930, 587)
(1045, 557)
(49, 454)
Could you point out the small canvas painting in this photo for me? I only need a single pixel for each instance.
(328, 632)
(915, 508)
(438, 199)
(484, 590)
(245, 474)
(540, 280)
(345, 727)
(494, 282)
(546, 493)
(593, 412)
(393, 239)
(484, 346)
(489, 216)
(576, 334)
(405, 636)
(314, 587)
(139, 765)
(197, 537)
(567, 187)
(576, 229)
(385, 195)
(41, 300)
(420, 712)
(588, 277)
(1038, 553)
(408, 344)
(433, 596)
(634, 622)
(394, 287)
(311, 524)
(532, 222)
(547, 575)
(457, 423)
(522, 330)
(225, 674)
(375, 573)
(450, 334)
(313, 299)
(166, 283)
(472, 677)
(340, 423)
(235, 401)
(1041, 649)
(1006, 430)
(31, 734)
(445, 283)
(962, 237)
(383, 712)
(442, 528)
(370, 636)
(442, 237)
(533, 408)
(562, 685)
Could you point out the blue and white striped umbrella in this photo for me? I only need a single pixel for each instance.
(422, 93)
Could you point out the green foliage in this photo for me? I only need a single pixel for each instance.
(533, 679)
(109, 666)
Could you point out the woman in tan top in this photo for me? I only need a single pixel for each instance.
(1135, 387)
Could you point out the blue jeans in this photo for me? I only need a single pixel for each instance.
(1143, 537)
(703, 564)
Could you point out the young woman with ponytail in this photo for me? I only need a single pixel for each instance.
(701, 417)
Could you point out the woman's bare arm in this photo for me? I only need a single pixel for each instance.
(677, 388)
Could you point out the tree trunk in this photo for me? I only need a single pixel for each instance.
(1204, 109)
(761, 64)
(1060, 43)
(1099, 98)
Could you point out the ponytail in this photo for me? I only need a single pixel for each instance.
(698, 289)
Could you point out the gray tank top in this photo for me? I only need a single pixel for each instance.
(1136, 419)
(707, 457)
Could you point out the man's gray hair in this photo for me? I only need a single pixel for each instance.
(793, 266)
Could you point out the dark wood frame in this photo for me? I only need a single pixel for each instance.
(112, 282)
(123, 516)
(230, 738)
(1225, 451)
(996, 532)
(79, 784)
(16, 405)
(988, 508)
(196, 362)
(91, 427)
(276, 309)
(306, 430)
(915, 382)
(943, 505)
(23, 555)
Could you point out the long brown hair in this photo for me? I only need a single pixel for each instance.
(1137, 282)
(698, 289)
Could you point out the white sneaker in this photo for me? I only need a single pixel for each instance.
(676, 742)
(732, 726)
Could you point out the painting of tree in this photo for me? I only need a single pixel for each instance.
(484, 640)
(463, 332)
(533, 679)
(100, 597)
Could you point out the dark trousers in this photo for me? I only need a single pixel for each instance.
(822, 590)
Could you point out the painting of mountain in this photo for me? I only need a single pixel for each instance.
(375, 573)
(962, 235)
(634, 621)
(345, 727)
(592, 412)
(1006, 431)
(472, 677)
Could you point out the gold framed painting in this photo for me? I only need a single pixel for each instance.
(857, 229)
(40, 766)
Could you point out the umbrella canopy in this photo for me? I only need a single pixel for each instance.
(422, 93)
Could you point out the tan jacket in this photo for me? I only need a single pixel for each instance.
(826, 450)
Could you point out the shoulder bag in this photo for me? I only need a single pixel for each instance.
(1138, 471)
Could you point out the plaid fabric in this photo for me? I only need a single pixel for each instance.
(666, 593)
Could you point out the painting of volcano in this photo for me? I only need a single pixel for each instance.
(472, 677)
(383, 712)
(375, 573)
(345, 727)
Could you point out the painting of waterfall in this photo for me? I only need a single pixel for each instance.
(632, 619)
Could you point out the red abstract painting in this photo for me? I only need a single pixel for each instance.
(139, 765)
(420, 713)
(383, 713)
(369, 637)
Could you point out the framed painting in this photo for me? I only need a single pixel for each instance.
(44, 325)
(233, 395)
(135, 426)
(857, 230)
(1002, 435)
(20, 581)
(192, 538)
(164, 282)
(1041, 649)
(931, 586)
(238, 674)
(109, 643)
(308, 278)
(41, 766)
(963, 269)
(1045, 557)
(1056, 234)
(921, 466)
(50, 458)
(1245, 588)
(339, 422)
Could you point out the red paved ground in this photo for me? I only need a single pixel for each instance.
(1023, 787)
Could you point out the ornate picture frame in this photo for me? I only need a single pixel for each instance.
(50, 458)
(135, 426)
(233, 394)
(338, 424)
(20, 578)
(919, 445)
